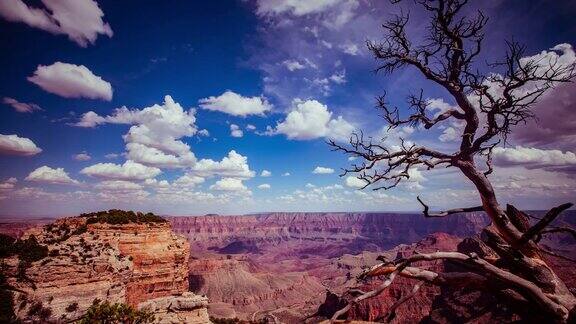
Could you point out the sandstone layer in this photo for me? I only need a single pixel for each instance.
(141, 264)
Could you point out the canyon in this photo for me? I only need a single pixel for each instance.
(141, 264)
(272, 267)
(282, 265)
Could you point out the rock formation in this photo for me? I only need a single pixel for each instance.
(140, 264)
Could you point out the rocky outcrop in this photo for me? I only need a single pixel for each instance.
(186, 308)
(140, 264)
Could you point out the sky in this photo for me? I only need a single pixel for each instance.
(194, 107)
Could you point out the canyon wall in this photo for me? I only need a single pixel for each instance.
(281, 265)
(352, 230)
(140, 264)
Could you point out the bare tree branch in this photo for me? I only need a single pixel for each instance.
(449, 211)
(543, 223)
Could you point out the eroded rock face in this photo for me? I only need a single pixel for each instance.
(282, 264)
(353, 230)
(136, 264)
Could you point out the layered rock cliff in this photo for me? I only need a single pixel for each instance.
(355, 230)
(281, 264)
(142, 264)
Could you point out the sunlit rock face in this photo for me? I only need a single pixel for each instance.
(140, 264)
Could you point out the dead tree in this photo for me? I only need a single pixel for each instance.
(488, 106)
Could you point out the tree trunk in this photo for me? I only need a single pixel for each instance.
(532, 266)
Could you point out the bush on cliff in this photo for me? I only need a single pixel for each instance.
(105, 312)
(116, 216)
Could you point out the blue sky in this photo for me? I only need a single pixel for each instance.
(252, 86)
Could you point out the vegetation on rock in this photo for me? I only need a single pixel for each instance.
(116, 216)
(105, 312)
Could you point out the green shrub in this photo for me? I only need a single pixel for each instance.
(29, 250)
(118, 217)
(104, 312)
(6, 243)
(72, 307)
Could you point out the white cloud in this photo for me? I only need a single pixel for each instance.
(90, 119)
(71, 81)
(111, 156)
(309, 185)
(21, 107)
(265, 173)
(338, 77)
(264, 186)
(293, 65)
(322, 170)
(189, 180)
(235, 131)
(250, 127)
(234, 104)
(354, 182)
(234, 165)
(350, 49)
(8, 184)
(203, 132)
(295, 7)
(81, 157)
(15, 145)
(81, 20)
(532, 157)
(309, 120)
(118, 185)
(130, 170)
(48, 175)
(229, 184)
(154, 137)
(286, 174)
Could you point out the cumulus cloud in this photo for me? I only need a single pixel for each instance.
(264, 186)
(311, 119)
(8, 184)
(71, 81)
(130, 170)
(234, 165)
(234, 104)
(47, 174)
(15, 145)
(80, 20)
(354, 182)
(118, 185)
(155, 135)
(21, 107)
(82, 156)
(229, 184)
(551, 126)
(322, 170)
(189, 180)
(265, 173)
(235, 131)
(530, 157)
